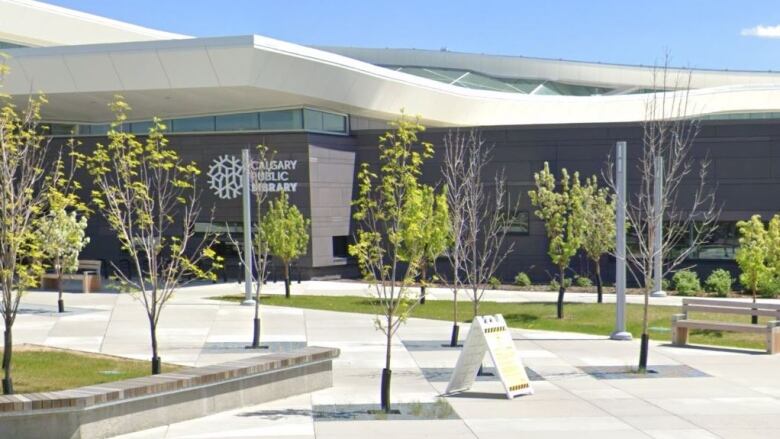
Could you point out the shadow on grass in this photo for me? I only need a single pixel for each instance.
(708, 333)
(521, 318)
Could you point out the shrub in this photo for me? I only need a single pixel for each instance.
(494, 282)
(719, 282)
(666, 285)
(768, 286)
(554, 285)
(686, 282)
(582, 281)
(522, 280)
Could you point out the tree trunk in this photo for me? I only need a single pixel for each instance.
(256, 321)
(644, 348)
(643, 351)
(561, 292)
(387, 372)
(599, 288)
(455, 327)
(423, 280)
(286, 279)
(454, 335)
(60, 302)
(8, 386)
(156, 366)
(754, 317)
(475, 304)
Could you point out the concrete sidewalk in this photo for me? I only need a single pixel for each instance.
(737, 396)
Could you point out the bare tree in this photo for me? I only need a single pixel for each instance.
(260, 256)
(149, 198)
(480, 218)
(686, 204)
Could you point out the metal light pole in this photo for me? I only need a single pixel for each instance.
(246, 193)
(620, 332)
(658, 268)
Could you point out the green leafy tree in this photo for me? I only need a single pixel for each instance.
(598, 236)
(753, 254)
(385, 260)
(426, 226)
(62, 238)
(560, 206)
(148, 196)
(286, 233)
(23, 186)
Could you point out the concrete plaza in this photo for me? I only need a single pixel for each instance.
(735, 395)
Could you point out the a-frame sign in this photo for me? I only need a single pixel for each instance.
(490, 334)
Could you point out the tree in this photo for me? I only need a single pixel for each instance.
(561, 207)
(598, 237)
(379, 214)
(62, 238)
(753, 254)
(480, 218)
(668, 135)
(23, 185)
(286, 233)
(149, 198)
(260, 256)
(427, 226)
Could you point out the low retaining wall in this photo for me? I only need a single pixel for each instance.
(111, 409)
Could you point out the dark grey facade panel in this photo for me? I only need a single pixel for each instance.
(745, 166)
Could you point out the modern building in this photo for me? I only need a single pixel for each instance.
(322, 108)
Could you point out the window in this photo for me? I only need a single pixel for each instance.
(193, 124)
(275, 120)
(140, 127)
(722, 245)
(334, 123)
(238, 122)
(340, 246)
(520, 225)
(281, 120)
(312, 120)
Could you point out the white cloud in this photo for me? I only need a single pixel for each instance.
(762, 31)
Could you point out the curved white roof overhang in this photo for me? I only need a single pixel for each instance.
(32, 23)
(189, 77)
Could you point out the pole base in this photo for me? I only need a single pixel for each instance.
(621, 336)
(659, 293)
(250, 302)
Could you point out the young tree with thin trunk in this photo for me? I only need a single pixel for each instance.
(260, 256)
(598, 237)
(480, 217)
(381, 215)
(429, 236)
(561, 207)
(668, 135)
(149, 198)
(751, 255)
(23, 188)
(62, 237)
(286, 233)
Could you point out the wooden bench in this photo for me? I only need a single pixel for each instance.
(681, 324)
(88, 273)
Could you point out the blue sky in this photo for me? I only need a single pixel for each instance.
(698, 33)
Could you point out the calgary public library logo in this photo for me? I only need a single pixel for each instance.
(226, 172)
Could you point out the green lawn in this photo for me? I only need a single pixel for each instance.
(588, 318)
(35, 370)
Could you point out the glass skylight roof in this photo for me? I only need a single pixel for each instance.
(479, 81)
